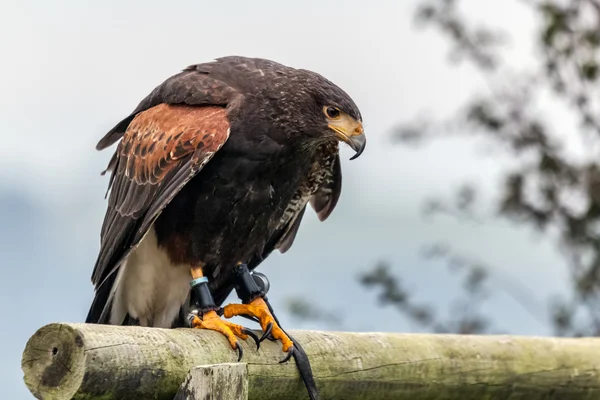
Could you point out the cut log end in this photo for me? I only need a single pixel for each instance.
(54, 362)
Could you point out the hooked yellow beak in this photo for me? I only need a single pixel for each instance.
(350, 131)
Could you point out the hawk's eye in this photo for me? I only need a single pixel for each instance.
(332, 112)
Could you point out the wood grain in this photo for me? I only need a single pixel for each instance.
(64, 361)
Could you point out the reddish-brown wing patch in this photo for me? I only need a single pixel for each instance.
(161, 150)
(158, 138)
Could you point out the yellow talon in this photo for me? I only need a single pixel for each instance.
(259, 309)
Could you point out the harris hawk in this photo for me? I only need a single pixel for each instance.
(212, 172)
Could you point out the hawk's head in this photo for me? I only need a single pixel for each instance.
(298, 103)
(323, 110)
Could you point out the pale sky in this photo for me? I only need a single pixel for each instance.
(72, 69)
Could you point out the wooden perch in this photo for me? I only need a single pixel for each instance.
(64, 361)
(227, 381)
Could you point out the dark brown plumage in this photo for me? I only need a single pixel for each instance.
(214, 168)
(213, 197)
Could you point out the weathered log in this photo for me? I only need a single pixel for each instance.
(64, 361)
(228, 381)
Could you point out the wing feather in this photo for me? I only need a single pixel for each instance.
(186, 88)
(288, 237)
(160, 151)
(326, 198)
(323, 201)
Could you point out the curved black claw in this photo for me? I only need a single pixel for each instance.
(267, 332)
(271, 338)
(240, 351)
(289, 355)
(253, 336)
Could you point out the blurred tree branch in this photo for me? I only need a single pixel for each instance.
(466, 315)
(304, 310)
(549, 186)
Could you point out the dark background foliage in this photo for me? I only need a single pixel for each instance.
(547, 187)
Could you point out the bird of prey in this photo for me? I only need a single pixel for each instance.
(212, 172)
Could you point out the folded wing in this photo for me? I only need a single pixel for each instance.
(161, 150)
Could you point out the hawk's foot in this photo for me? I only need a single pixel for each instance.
(259, 309)
(211, 320)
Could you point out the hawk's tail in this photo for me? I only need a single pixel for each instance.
(99, 312)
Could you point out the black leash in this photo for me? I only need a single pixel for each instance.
(248, 285)
(301, 359)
